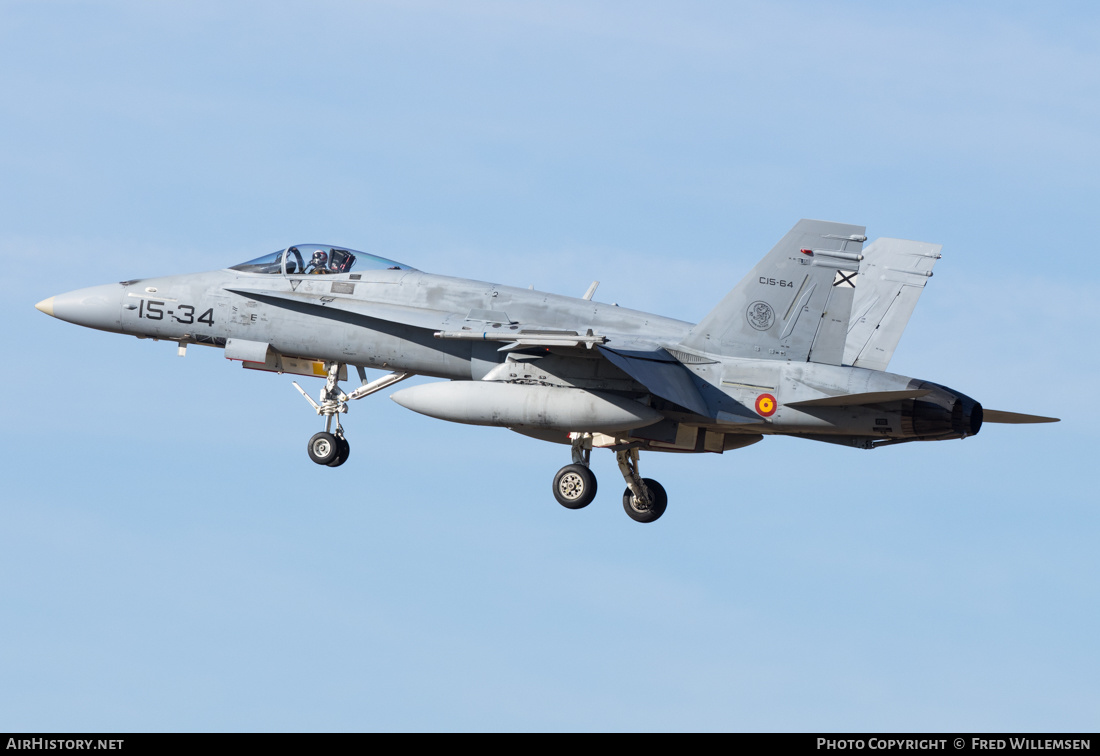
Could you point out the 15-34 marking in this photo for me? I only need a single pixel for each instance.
(154, 310)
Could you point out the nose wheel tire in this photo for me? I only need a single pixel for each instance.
(641, 513)
(574, 486)
(342, 453)
(323, 448)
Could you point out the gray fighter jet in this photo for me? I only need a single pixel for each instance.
(798, 348)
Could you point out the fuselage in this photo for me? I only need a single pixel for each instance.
(795, 348)
(388, 319)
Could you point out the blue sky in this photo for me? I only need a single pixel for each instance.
(171, 560)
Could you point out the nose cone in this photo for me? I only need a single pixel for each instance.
(95, 307)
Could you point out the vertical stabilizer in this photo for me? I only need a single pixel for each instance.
(794, 305)
(891, 278)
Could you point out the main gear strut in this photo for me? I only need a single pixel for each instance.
(644, 498)
(575, 485)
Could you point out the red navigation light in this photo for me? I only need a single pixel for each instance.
(806, 251)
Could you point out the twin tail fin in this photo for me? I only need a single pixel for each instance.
(794, 305)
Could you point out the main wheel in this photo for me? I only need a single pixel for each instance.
(323, 448)
(574, 486)
(341, 453)
(641, 513)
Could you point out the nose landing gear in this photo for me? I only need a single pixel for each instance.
(329, 447)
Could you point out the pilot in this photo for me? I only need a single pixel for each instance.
(319, 262)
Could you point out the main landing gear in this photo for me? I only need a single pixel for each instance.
(575, 485)
(329, 447)
(644, 499)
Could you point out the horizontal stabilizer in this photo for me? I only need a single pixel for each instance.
(853, 400)
(1014, 418)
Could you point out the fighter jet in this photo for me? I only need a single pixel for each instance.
(799, 348)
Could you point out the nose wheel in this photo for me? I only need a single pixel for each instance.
(342, 453)
(329, 447)
(323, 448)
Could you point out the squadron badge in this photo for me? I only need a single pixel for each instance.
(760, 315)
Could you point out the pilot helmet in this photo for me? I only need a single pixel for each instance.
(320, 258)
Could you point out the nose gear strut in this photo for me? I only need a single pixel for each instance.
(329, 447)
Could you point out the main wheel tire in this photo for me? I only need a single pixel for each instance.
(574, 486)
(342, 453)
(655, 510)
(323, 448)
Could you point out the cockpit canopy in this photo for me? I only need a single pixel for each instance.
(317, 259)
